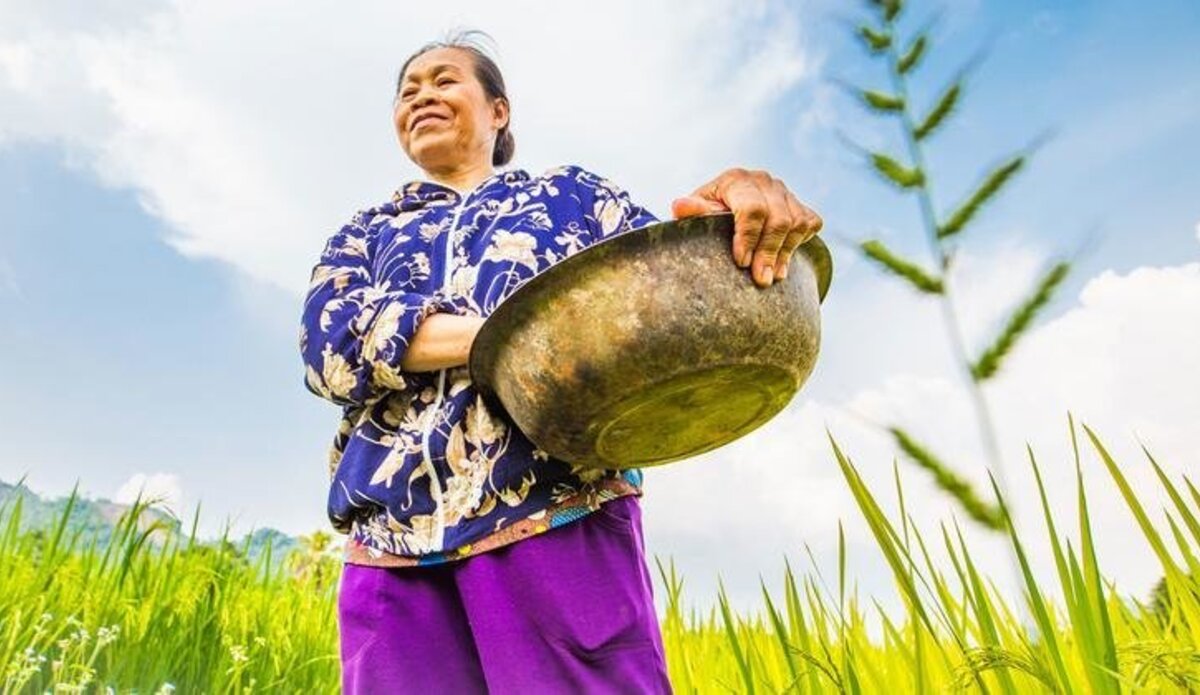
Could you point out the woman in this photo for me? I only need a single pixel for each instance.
(476, 562)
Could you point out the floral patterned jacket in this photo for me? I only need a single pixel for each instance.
(420, 467)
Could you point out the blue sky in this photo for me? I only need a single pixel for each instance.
(1114, 84)
(131, 358)
(160, 218)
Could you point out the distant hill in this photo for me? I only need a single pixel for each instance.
(90, 516)
(98, 518)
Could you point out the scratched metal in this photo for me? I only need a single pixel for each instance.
(651, 346)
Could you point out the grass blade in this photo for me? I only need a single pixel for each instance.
(903, 177)
(735, 644)
(989, 362)
(936, 116)
(982, 512)
(918, 278)
(912, 56)
(986, 190)
(879, 101)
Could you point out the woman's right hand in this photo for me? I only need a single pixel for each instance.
(769, 222)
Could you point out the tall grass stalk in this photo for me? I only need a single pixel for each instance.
(903, 56)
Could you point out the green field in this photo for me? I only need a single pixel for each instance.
(156, 612)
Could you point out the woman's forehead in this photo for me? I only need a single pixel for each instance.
(436, 61)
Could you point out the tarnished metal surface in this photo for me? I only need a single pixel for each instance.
(651, 346)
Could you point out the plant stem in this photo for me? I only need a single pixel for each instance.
(949, 313)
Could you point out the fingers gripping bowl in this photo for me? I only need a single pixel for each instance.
(651, 346)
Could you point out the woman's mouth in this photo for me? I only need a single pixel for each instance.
(426, 119)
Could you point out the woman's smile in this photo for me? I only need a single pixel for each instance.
(427, 118)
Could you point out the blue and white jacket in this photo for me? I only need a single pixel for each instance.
(420, 467)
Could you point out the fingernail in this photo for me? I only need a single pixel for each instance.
(746, 258)
(769, 275)
(783, 272)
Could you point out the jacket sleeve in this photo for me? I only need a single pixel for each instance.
(354, 331)
(607, 208)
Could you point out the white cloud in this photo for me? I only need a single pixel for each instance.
(255, 130)
(159, 489)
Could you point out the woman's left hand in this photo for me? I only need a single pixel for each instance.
(769, 222)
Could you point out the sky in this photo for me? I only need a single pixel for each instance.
(169, 172)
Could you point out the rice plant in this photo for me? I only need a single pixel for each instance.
(152, 612)
(957, 633)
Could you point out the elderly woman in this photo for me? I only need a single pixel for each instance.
(476, 562)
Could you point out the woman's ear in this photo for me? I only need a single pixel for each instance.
(500, 112)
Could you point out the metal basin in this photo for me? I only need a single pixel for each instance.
(651, 346)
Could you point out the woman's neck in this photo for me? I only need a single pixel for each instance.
(464, 179)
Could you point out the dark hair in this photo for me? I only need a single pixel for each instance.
(488, 75)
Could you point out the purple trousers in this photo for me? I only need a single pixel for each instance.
(568, 611)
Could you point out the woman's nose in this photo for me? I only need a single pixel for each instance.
(422, 97)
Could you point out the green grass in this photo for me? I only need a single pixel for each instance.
(180, 615)
(151, 615)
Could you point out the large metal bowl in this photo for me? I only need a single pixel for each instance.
(651, 346)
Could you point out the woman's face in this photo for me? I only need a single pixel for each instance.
(442, 115)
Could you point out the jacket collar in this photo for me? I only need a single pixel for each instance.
(421, 193)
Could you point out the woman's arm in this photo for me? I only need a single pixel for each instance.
(441, 342)
(356, 334)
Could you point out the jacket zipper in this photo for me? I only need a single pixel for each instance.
(435, 485)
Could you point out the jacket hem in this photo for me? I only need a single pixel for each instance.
(360, 552)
